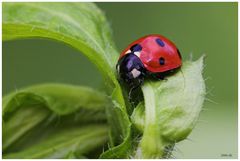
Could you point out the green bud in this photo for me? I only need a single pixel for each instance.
(171, 110)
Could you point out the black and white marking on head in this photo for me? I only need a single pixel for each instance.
(135, 73)
(160, 42)
(137, 53)
(161, 61)
(135, 49)
(128, 52)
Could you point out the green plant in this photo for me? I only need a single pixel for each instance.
(63, 121)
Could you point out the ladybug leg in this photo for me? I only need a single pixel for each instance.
(160, 76)
(133, 88)
(130, 93)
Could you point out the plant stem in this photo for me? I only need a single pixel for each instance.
(151, 145)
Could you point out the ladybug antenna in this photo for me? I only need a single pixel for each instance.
(183, 79)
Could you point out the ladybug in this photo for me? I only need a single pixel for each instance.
(150, 56)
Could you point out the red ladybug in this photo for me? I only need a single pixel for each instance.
(152, 55)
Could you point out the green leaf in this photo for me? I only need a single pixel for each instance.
(84, 27)
(20, 122)
(172, 108)
(36, 109)
(138, 117)
(76, 141)
(81, 25)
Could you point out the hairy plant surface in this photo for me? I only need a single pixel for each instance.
(65, 121)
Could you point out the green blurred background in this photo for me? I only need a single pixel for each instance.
(196, 28)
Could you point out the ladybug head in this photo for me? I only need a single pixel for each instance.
(131, 69)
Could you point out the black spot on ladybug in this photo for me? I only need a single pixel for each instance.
(136, 47)
(161, 61)
(160, 42)
(179, 54)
